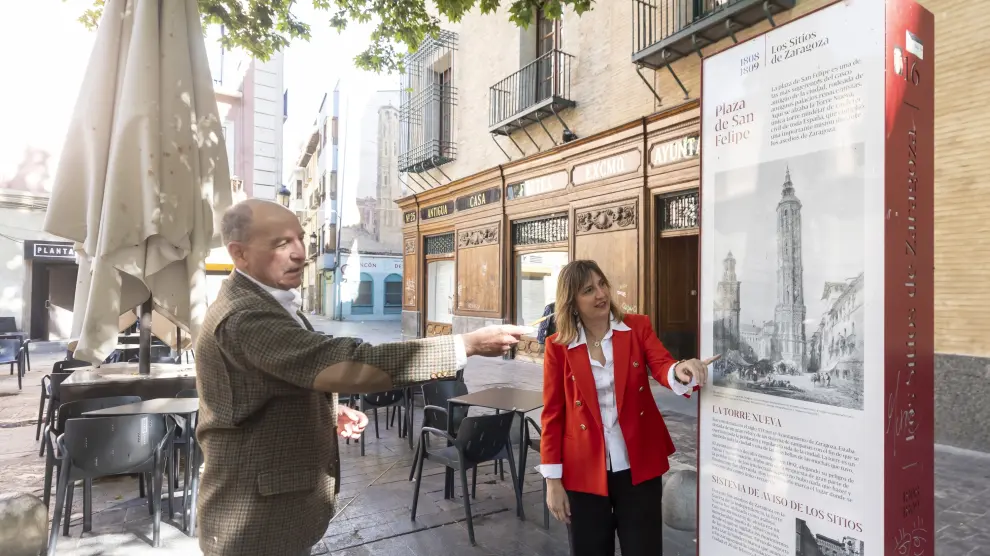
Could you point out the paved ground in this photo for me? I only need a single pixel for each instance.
(376, 494)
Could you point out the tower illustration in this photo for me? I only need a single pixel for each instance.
(727, 308)
(790, 311)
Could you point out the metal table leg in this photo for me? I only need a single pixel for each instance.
(520, 513)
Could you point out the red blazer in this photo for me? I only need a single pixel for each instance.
(573, 434)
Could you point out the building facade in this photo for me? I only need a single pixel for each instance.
(573, 151)
(253, 105)
(354, 225)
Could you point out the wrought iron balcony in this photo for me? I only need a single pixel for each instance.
(426, 110)
(539, 90)
(666, 30)
(427, 118)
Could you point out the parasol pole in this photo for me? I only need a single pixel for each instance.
(178, 342)
(144, 349)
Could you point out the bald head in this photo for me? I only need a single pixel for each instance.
(265, 241)
(237, 220)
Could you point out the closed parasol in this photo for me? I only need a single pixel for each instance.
(143, 177)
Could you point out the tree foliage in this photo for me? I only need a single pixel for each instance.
(263, 27)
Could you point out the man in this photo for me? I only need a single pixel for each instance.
(268, 415)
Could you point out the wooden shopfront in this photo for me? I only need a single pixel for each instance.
(488, 249)
(673, 175)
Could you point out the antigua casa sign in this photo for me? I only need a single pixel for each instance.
(474, 200)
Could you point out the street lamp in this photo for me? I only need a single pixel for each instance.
(283, 196)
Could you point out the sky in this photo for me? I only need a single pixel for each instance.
(40, 102)
(830, 185)
(42, 76)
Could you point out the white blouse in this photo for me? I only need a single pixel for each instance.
(616, 454)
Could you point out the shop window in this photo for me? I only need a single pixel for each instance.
(393, 294)
(440, 292)
(364, 303)
(536, 283)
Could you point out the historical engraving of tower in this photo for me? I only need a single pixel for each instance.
(790, 310)
(727, 308)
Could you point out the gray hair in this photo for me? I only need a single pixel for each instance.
(236, 223)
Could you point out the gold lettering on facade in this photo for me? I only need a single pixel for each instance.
(608, 167)
(439, 210)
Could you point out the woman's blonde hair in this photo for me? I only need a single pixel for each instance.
(572, 278)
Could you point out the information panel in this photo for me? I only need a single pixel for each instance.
(817, 287)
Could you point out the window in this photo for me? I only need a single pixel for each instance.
(364, 303)
(299, 189)
(440, 292)
(547, 41)
(547, 34)
(536, 283)
(393, 294)
(333, 130)
(323, 137)
(444, 110)
(229, 140)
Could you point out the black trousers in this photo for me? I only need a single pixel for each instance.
(632, 511)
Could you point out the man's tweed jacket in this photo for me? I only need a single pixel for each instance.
(269, 441)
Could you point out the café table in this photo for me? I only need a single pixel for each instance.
(502, 399)
(158, 406)
(123, 379)
(185, 407)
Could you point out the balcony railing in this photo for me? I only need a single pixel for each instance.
(427, 117)
(428, 101)
(667, 30)
(539, 90)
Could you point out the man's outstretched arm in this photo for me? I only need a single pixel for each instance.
(274, 344)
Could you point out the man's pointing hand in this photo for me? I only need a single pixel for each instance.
(492, 341)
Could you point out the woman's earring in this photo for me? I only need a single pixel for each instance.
(574, 312)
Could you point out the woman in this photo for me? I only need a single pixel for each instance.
(604, 444)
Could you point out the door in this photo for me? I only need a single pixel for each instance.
(439, 297)
(547, 42)
(678, 295)
(61, 295)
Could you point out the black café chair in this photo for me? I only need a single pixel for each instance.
(12, 352)
(96, 447)
(435, 397)
(25, 351)
(392, 398)
(8, 325)
(74, 410)
(479, 440)
(50, 392)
